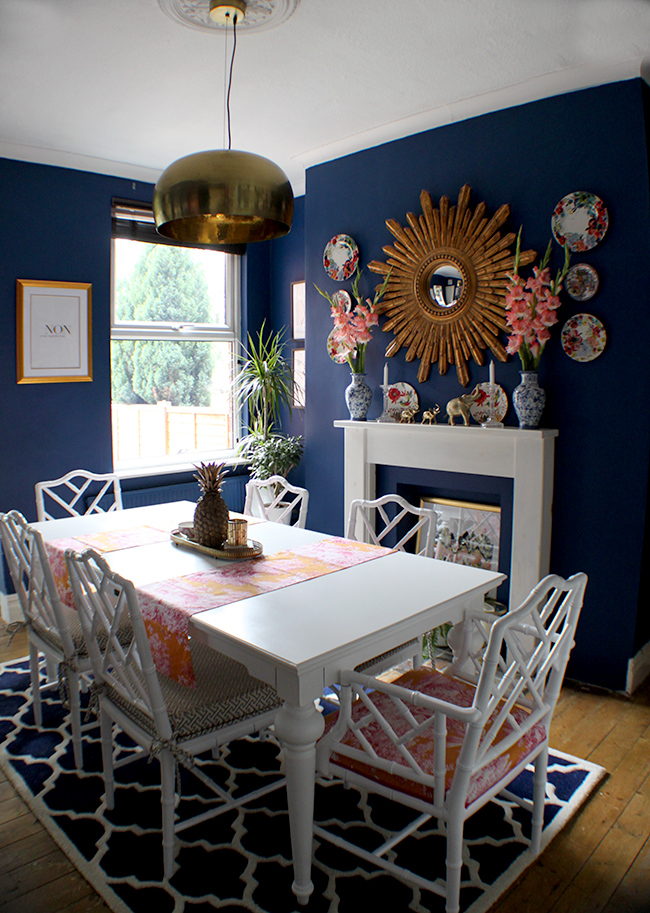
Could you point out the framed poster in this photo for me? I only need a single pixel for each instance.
(298, 368)
(468, 533)
(298, 310)
(53, 332)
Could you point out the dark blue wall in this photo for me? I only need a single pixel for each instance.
(55, 224)
(529, 157)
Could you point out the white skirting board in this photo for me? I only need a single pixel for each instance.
(10, 608)
(638, 669)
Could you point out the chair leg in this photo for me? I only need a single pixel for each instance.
(167, 770)
(34, 674)
(75, 718)
(454, 861)
(106, 731)
(539, 798)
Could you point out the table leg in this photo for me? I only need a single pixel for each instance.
(299, 728)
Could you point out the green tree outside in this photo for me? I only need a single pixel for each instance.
(166, 285)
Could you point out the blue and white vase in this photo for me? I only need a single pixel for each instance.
(357, 397)
(529, 399)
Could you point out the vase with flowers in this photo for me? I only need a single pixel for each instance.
(531, 307)
(348, 341)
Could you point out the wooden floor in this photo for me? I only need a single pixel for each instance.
(599, 863)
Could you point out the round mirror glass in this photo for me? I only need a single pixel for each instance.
(446, 285)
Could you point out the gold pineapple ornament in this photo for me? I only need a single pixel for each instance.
(211, 514)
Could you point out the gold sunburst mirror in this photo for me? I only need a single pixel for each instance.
(446, 291)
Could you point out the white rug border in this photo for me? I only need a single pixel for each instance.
(595, 774)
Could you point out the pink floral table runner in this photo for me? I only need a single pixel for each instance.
(111, 541)
(168, 605)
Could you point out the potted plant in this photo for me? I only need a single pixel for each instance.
(265, 383)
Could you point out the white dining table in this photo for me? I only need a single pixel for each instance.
(301, 637)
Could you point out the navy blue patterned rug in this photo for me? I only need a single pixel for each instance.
(240, 861)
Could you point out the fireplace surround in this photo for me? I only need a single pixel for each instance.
(525, 456)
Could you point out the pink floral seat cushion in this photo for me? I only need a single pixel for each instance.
(421, 747)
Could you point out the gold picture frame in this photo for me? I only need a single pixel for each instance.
(468, 532)
(53, 331)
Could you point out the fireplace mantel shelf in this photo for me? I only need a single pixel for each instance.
(526, 456)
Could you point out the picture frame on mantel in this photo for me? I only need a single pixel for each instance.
(298, 293)
(53, 331)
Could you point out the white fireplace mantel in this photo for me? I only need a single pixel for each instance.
(526, 456)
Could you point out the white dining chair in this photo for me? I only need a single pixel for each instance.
(53, 629)
(169, 721)
(77, 493)
(445, 745)
(393, 522)
(277, 500)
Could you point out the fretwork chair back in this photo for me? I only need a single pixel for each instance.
(170, 721)
(53, 629)
(391, 521)
(77, 493)
(444, 746)
(277, 500)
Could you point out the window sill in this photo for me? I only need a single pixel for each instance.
(141, 470)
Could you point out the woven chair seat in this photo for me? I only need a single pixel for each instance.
(225, 692)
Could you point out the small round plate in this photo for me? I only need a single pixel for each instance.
(583, 337)
(480, 410)
(401, 396)
(342, 299)
(336, 350)
(581, 282)
(580, 220)
(340, 257)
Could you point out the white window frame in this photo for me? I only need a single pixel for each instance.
(230, 332)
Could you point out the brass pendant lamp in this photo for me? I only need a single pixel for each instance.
(223, 196)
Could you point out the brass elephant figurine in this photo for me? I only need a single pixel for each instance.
(461, 404)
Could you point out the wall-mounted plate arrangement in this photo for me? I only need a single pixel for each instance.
(400, 396)
(581, 282)
(335, 348)
(580, 220)
(340, 257)
(583, 337)
(480, 410)
(342, 299)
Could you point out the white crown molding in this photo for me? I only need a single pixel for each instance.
(60, 159)
(550, 84)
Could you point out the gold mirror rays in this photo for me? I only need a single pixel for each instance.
(455, 242)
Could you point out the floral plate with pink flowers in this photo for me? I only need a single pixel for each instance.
(336, 348)
(340, 257)
(399, 397)
(580, 221)
(342, 299)
(480, 410)
(583, 337)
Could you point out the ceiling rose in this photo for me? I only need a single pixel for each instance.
(260, 14)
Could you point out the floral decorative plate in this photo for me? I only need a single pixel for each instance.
(583, 337)
(580, 220)
(340, 257)
(342, 299)
(581, 282)
(480, 410)
(399, 397)
(336, 350)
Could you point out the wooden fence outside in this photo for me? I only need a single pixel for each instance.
(141, 431)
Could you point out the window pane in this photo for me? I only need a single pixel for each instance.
(162, 283)
(171, 398)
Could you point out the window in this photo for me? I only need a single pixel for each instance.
(174, 341)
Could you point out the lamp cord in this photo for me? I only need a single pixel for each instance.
(232, 62)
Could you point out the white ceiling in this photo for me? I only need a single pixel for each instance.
(118, 87)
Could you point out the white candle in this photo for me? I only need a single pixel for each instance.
(492, 373)
(386, 374)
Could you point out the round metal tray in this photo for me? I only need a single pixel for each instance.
(231, 552)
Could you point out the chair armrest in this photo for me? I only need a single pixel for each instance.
(415, 698)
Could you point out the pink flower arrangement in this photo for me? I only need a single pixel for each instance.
(531, 306)
(352, 326)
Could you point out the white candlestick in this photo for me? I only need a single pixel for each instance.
(386, 374)
(492, 373)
